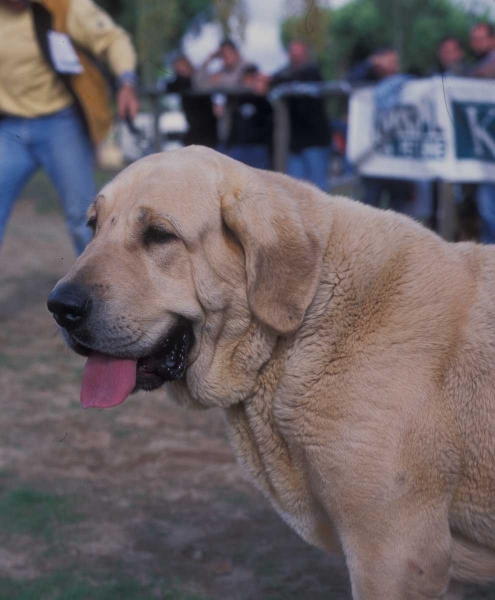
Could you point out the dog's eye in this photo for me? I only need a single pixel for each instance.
(92, 223)
(156, 235)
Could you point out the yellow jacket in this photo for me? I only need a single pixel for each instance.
(29, 84)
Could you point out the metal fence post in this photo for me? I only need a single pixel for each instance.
(281, 134)
(157, 142)
(447, 215)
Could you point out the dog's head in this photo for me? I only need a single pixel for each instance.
(197, 265)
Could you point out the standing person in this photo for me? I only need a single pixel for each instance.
(54, 105)
(451, 63)
(413, 198)
(482, 45)
(451, 57)
(310, 136)
(197, 107)
(250, 135)
(229, 76)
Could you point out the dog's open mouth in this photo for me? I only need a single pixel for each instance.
(108, 381)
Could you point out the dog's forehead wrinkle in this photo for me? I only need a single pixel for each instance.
(142, 214)
(94, 206)
(147, 216)
(164, 216)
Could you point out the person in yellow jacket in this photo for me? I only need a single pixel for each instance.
(54, 103)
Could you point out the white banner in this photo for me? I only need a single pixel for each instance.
(433, 128)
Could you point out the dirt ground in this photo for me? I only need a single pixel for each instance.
(143, 501)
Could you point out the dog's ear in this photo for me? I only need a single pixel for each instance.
(283, 250)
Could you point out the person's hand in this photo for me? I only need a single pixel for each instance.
(127, 101)
(486, 72)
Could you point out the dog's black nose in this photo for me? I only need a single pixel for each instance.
(70, 305)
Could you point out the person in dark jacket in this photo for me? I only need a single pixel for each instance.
(310, 136)
(250, 135)
(197, 107)
(451, 57)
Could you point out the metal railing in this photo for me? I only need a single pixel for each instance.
(444, 205)
(277, 98)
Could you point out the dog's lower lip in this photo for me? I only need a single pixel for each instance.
(168, 362)
(79, 348)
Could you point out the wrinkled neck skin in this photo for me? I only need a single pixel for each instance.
(363, 281)
(260, 431)
(274, 463)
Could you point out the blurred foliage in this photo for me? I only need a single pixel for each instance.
(158, 26)
(232, 17)
(123, 11)
(309, 22)
(358, 28)
(182, 14)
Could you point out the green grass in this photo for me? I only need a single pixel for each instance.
(179, 595)
(6, 361)
(231, 497)
(28, 511)
(67, 586)
(41, 515)
(42, 381)
(122, 433)
(57, 587)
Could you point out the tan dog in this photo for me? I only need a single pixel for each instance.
(352, 350)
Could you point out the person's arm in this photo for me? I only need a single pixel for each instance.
(486, 70)
(93, 29)
(202, 79)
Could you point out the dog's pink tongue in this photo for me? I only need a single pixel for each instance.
(107, 381)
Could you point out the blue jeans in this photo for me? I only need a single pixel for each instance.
(312, 165)
(413, 198)
(59, 144)
(485, 198)
(253, 155)
(399, 192)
